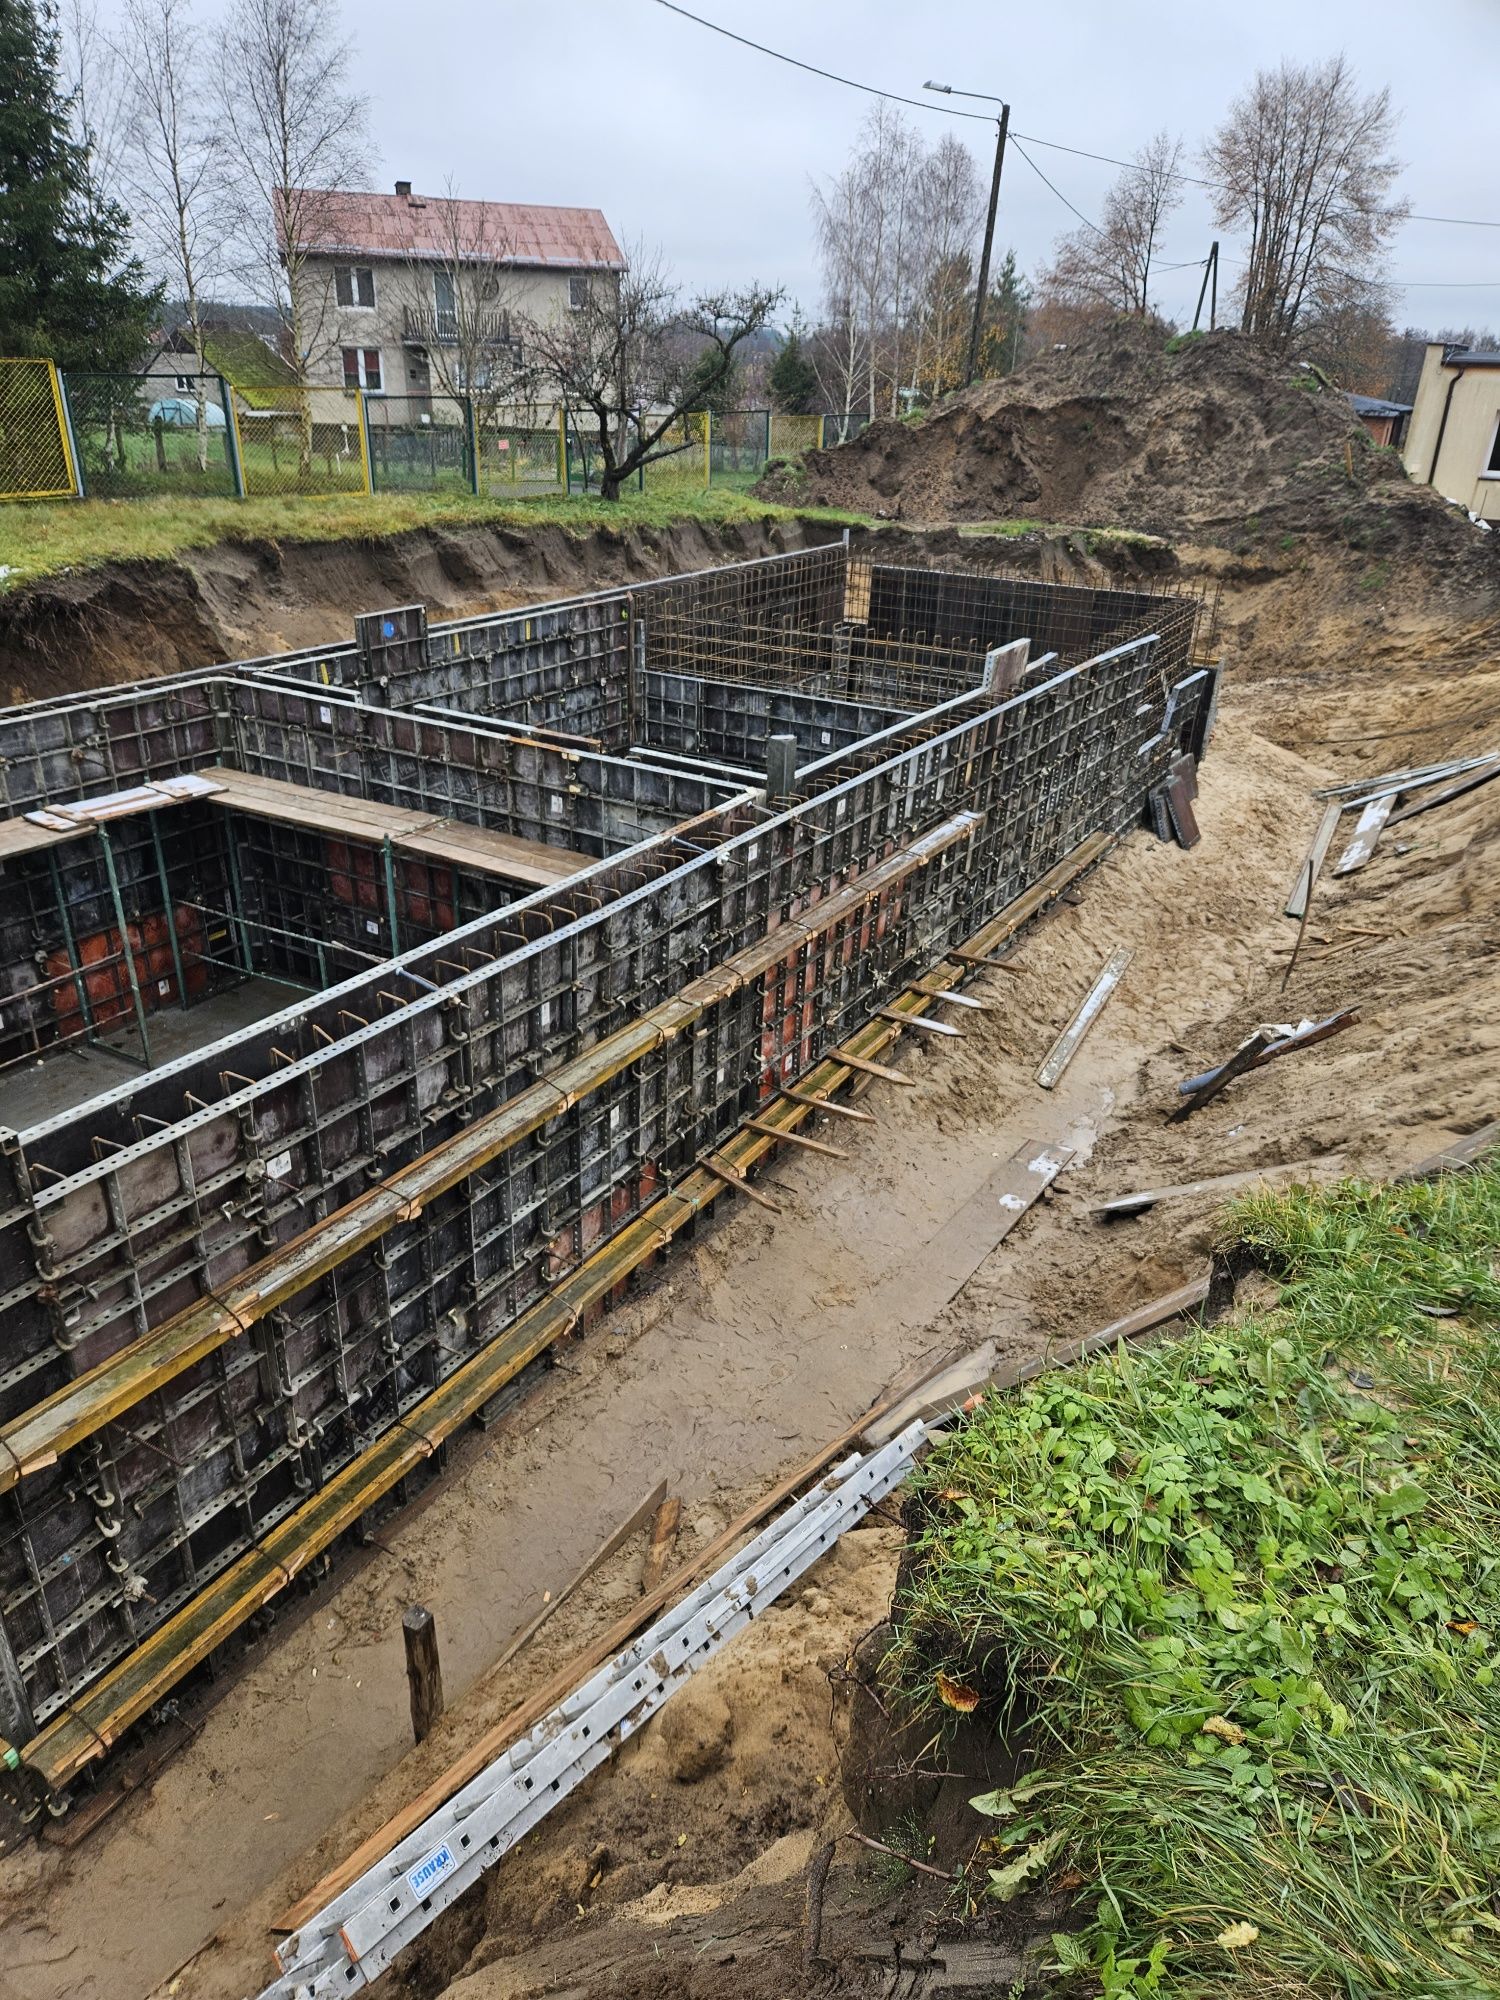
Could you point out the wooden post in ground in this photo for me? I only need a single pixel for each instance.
(424, 1673)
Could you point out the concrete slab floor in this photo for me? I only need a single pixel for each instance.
(64, 1079)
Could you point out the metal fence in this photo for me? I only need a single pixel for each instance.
(161, 434)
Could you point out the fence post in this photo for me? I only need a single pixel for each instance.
(822, 430)
(471, 426)
(562, 448)
(232, 439)
(708, 448)
(367, 457)
(69, 435)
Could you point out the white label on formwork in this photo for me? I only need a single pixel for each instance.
(424, 1878)
(279, 1166)
(372, 927)
(557, 804)
(164, 987)
(325, 714)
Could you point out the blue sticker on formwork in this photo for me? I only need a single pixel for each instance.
(424, 1878)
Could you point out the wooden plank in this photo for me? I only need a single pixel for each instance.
(1441, 798)
(533, 862)
(615, 1539)
(1453, 1159)
(485, 1748)
(1067, 1044)
(950, 1258)
(1312, 861)
(663, 1540)
(1368, 830)
(1144, 1198)
(956, 1381)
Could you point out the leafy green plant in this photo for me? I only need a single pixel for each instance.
(1237, 1597)
(1189, 339)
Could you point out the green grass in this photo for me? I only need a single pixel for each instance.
(1013, 530)
(36, 540)
(1238, 1596)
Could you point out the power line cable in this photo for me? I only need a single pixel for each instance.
(984, 118)
(1056, 190)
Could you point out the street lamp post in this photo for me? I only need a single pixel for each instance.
(982, 291)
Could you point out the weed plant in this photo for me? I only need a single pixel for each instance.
(1236, 1597)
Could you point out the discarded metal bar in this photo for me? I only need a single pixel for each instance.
(1206, 1088)
(1449, 792)
(1281, 1045)
(1066, 1046)
(1144, 1198)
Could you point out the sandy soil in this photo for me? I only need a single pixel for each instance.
(773, 1331)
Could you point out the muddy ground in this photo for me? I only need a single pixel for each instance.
(679, 1869)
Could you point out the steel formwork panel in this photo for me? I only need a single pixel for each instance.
(759, 938)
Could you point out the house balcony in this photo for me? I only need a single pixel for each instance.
(427, 328)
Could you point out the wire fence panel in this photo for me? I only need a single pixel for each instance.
(419, 444)
(739, 443)
(520, 452)
(36, 462)
(145, 435)
(792, 433)
(295, 440)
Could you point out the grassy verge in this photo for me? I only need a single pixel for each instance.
(1238, 1595)
(42, 539)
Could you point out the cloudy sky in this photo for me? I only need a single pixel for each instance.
(709, 150)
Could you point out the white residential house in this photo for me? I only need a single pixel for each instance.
(379, 275)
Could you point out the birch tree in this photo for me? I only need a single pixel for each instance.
(173, 166)
(296, 138)
(1108, 268)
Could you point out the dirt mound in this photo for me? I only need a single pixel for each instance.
(97, 627)
(1212, 439)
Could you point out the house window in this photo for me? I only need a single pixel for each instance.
(362, 368)
(1492, 463)
(184, 385)
(578, 293)
(354, 285)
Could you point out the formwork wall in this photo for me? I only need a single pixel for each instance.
(655, 983)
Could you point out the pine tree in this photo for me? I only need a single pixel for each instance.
(69, 287)
(1003, 338)
(793, 380)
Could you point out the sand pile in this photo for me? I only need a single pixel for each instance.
(1213, 440)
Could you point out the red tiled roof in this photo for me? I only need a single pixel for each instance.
(397, 225)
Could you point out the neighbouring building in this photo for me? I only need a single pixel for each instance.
(381, 276)
(1453, 439)
(1385, 421)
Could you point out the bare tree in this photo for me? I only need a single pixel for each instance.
(459, 259)
(174, 166)
(950, 195)
(1302, 166)
(842, 344)
(296, 136)
(1107, 269)
(92, 78)
(630, 357)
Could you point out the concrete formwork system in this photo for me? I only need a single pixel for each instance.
(364, 1010)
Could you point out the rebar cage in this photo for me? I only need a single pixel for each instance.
(557, 941)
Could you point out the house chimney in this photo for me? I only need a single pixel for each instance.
(403, 188)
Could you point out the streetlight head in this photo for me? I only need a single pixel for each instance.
(946, 88)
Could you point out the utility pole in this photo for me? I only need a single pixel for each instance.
(1210, 273)
(981, 294)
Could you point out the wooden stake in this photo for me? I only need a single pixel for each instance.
(424, 1673)
(829, 1104)
(663, 1540)
(868, 1068)
(735, 1179)
(796, 1138)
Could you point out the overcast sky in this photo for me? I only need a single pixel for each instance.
(709, 150)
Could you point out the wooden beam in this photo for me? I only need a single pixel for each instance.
(1090, 1007)
(797, 1139)
(424, 1672)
